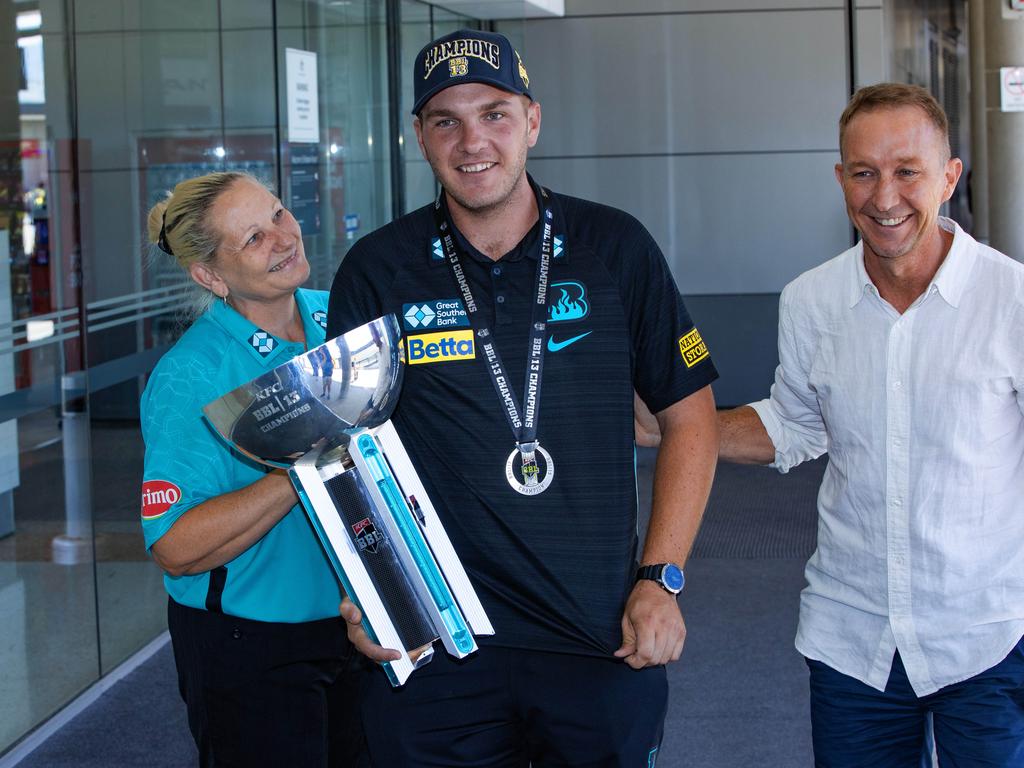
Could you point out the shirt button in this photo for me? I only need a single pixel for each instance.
(897, 384)
(500, 299)
(897, 502)
(896, 443)
(236, 634)
(496, 271)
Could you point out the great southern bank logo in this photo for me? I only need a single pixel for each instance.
(440, 313)
(440, 347)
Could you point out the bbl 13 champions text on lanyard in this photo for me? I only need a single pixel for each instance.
(523, 471)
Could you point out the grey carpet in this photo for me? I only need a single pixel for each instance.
(738, 696)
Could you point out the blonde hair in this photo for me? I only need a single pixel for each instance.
(180, 224)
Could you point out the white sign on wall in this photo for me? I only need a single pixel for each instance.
(303, 100)
(1011, 89)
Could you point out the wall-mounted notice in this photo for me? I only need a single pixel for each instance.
(303, 103)
(1011, 89)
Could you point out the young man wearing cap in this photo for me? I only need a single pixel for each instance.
(529, 319)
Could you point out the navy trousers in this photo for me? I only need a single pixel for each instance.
(513, 708)
(266, 694)
(977, 723)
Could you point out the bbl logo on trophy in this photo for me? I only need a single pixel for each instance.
(367, 536)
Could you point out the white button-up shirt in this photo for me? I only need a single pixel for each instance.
(921, 509)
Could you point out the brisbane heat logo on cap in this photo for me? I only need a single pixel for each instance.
(157, 497)
(484, 50)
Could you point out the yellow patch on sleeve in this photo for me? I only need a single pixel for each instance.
(692, 348)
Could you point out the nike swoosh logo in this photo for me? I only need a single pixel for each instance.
(554, 346)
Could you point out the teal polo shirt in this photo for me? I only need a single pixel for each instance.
(285, 576)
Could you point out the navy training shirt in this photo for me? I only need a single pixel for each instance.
(553, 570)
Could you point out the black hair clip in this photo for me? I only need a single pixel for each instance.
(161, 241)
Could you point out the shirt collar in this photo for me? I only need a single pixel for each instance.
(524, 249)
(262, 345)
(314, 319)
(949, 280)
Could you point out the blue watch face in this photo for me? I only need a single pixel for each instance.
(672, 577)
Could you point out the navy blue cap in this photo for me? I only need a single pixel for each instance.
(468, 56)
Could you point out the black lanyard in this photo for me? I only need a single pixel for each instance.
(523, 422)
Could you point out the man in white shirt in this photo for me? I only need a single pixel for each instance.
(903, 359)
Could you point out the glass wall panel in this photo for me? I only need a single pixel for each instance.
(156, 92)
(351, 157)
(49, 648)
(421, 23)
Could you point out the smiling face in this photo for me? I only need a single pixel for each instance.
(476, 137)
(261, 257)
(895, 174)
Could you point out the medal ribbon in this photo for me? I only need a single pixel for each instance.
(524, 425)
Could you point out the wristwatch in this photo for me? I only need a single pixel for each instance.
(669, 576)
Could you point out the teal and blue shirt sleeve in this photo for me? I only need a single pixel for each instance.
(186, 463)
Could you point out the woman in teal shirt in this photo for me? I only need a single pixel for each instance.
(264, 664)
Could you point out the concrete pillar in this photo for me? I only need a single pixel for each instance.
(1004, 47)
(979, 129)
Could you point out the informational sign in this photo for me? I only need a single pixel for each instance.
(304, 187)
(1011, 89)
(303, 99)
(351, 225)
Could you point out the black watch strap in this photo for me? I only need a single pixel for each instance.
(652, 572)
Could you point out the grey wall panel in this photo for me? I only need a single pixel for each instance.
(727, 224)
(249, 79)
(114, 15)
(697, 83)
(147, 84)
(617, 7)
(871, 54)
(742, 334)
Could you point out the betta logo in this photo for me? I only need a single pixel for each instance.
(440, 347)
(571, 303)
(367, 537)
(157, 497)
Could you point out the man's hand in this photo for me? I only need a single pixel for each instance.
(653, 630)
(358, 637)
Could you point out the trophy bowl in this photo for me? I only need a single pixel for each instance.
(349, 382)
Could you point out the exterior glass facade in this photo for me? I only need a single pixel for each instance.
(104, 106)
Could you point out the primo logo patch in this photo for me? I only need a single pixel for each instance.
(440, 313)
(440, 347)
(692, 348)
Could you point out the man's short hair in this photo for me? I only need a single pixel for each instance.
(893, 96)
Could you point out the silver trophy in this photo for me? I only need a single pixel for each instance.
(323, 416)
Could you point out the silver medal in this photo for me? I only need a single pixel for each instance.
(526, 478)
